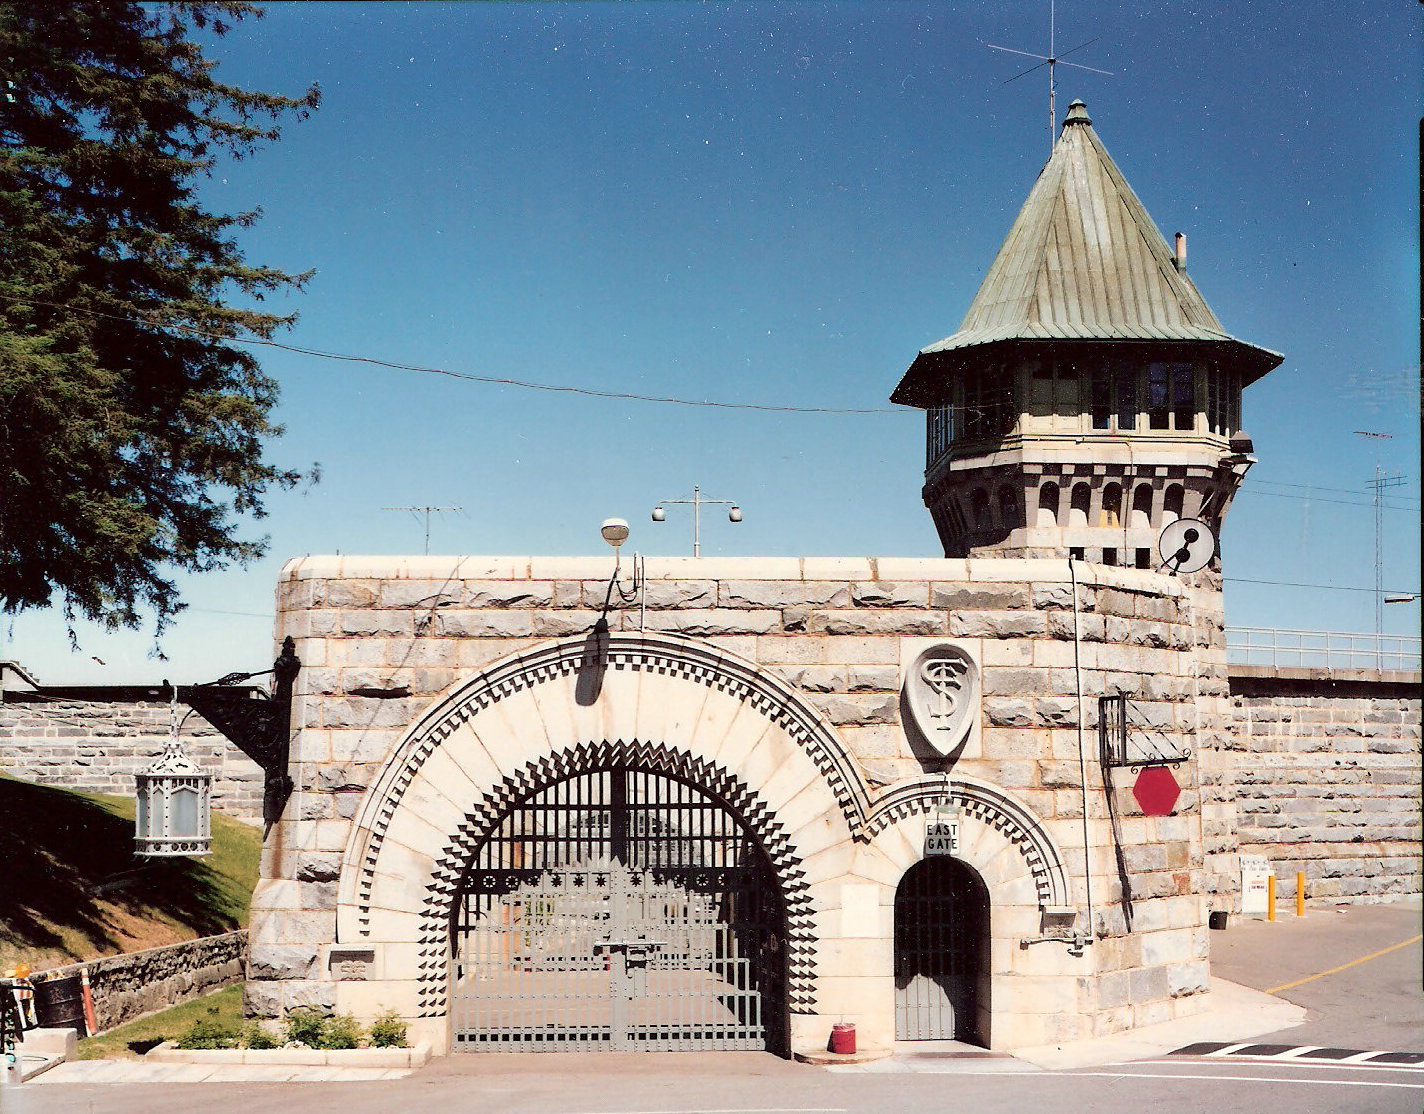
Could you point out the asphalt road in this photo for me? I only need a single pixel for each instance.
(1373, 1004)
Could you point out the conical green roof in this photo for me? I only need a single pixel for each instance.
(1082, 262)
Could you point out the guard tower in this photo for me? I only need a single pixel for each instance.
(1090, 396)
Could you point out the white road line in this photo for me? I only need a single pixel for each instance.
(1257, 1061)
(1247, 1079)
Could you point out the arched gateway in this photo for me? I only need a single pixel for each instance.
(620, 908)
(626, 841)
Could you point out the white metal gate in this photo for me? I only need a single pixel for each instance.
(619, 909)
(941, 940)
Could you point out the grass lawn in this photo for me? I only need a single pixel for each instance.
(73, 888)
(130, 1041)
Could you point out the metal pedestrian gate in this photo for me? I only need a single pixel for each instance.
(619, 909)
(941, 941)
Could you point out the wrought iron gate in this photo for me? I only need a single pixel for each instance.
(619, 909)
(941, 939)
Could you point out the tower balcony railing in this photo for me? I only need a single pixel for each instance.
(1309, 649)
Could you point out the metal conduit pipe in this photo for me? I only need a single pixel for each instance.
(1082, 750)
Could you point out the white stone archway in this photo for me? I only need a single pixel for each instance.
(669, 703)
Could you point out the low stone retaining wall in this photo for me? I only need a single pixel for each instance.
(169, 1053)
(127, 986)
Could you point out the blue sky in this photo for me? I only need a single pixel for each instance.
(779, 204)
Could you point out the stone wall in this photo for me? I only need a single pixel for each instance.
(97, 745)
(383, 641)
(1326, 776)
(128, 986)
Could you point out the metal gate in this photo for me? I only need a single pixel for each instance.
(941, 940)
(619, 909)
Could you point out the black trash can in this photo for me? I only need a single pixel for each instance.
(59, 1004)
(1217, 919)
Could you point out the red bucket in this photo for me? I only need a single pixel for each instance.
(843, 1039)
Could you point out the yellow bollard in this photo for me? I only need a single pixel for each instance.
(1271, 898)
(1300, 893)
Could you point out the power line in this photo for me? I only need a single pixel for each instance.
(501, 381)
(1327, 587)
(1312, 499)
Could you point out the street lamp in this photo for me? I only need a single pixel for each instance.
(696, 502)
(173, 800)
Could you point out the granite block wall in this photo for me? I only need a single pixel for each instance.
(1325, 772)
(98, 745)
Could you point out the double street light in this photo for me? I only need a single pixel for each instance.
(697, 502)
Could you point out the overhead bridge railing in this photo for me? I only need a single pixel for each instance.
(1309, 649)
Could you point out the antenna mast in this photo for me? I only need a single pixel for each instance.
(427, 512)
(1051, 60)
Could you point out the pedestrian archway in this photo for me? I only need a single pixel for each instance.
(941, 952)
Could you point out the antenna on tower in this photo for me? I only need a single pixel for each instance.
(1051, 60)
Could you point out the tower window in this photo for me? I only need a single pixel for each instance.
(1171, 396)
(1172, 500)
(1184, 396)
(939, 432)
(1127, 402)
(1113, 401)
(1112, 506)
(979, 502)
(1221, 397)
(1047, 506)
(1008, 508)
(1141, 507)
(988, 404)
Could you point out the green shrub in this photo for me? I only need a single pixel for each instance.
(388, 1031)
(207, 1033)
(342, 1031)
(306, 1026)
(256, 1035)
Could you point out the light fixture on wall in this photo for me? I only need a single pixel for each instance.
(174, 799)
(615, 533)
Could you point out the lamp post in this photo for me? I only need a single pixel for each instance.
(696, 502)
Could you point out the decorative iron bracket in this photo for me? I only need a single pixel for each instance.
(1123, 740)
(257, 724)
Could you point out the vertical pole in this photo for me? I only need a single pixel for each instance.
(696, 520)
(1300, 893)
(1271, 898)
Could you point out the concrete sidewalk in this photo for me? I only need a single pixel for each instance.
(1263, 955)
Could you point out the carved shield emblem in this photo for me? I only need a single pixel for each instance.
(942, 691)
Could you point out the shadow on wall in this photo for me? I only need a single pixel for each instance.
(70, 884)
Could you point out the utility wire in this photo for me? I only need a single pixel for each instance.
(1328, 587)
(502, 381)
(1312, 499)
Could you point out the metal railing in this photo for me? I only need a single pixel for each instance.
(1309, 649)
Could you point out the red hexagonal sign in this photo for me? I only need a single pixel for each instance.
(1156, 790)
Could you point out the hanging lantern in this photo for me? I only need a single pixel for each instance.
(174, 801)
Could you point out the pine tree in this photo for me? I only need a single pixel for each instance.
(132, 426)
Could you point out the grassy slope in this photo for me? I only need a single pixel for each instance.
(133, 1039)
(71, 887)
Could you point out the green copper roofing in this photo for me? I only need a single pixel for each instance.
(1083, 261)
